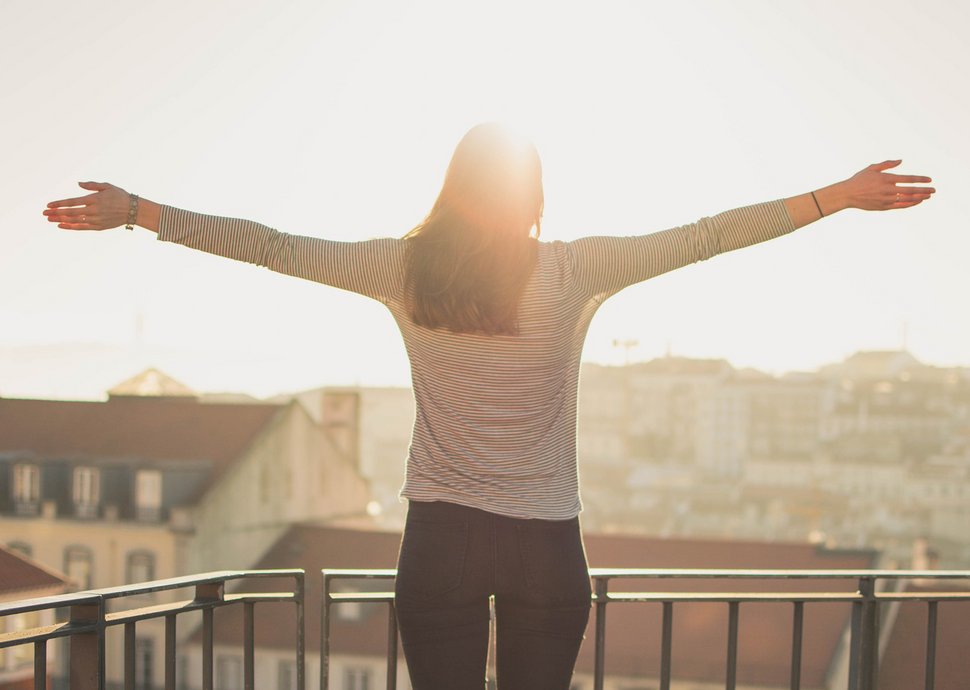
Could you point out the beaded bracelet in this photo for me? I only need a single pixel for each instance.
(132, 211)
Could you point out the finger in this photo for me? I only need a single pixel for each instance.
(906, 204)
(76, 201)
(79, 226)
(96, 186)
(914, 190)
(908, 178)
(885, 165)
(77, 211)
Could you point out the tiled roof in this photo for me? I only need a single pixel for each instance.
(633, 641)
(20, 574)
(153, 429)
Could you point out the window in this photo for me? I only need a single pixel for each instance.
(357, 679)
(140, 567)
(228, 673)
(349, 610)
(21, 547)
(78, 566)
(286, 675)
(144, 663)
(26, 489)
(148, 494)
(87, 491)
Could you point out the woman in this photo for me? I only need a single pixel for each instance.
(493, 321)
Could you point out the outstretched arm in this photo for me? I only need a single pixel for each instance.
(602, 266)
(373, 267)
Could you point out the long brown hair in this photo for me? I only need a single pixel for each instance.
(469, 260)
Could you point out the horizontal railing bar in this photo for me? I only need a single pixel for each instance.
(177, 607)
(257, 597)
(190, 581)
(831, 597)
(922, 596)
(41, 603)
(732, 596)
(779, 574)
(45, 632)
(363, 574)
(726, 573)
(361, 597)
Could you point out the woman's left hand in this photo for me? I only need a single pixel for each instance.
(106, 208)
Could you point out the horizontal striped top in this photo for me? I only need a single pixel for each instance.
(495, 422)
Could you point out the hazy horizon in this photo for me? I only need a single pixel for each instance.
(55, 371)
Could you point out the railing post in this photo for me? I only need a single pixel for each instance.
(391, 646)
(734, 610)
(87, 649)
(249, 645)
(300, 596)
(129, 656)
(599, 663)
(325, 634)
(868, 634)
(40, 665)
(666, 644)
(210, 591)
(170, 629)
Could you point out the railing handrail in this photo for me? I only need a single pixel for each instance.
(12, 608)
(725, 573)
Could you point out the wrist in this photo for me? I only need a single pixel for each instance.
(833, 198)
(148, 214)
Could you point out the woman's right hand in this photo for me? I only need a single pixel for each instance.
(106, 208)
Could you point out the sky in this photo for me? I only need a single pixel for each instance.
(336, 118)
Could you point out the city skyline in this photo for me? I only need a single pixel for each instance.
(60, 372)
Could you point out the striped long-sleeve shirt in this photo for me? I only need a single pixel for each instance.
(495, 423)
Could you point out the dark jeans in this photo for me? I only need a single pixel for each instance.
(452, 559)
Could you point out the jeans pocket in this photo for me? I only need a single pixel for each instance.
(554, 561)
(432, 558)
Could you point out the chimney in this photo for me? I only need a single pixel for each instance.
(924, 558)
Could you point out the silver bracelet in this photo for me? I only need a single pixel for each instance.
(132, 211)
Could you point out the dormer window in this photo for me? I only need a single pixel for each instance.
(26, 489)
(87, 491)
(148, 495)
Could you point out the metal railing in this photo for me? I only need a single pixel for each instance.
(874, 588)
(88, 620)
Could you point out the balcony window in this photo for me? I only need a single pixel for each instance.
(144, 663)
(148, 495)
(356, 678)
(140, 567)
(26, 489)
(286, 675)
(78, 565)
(87, 491)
